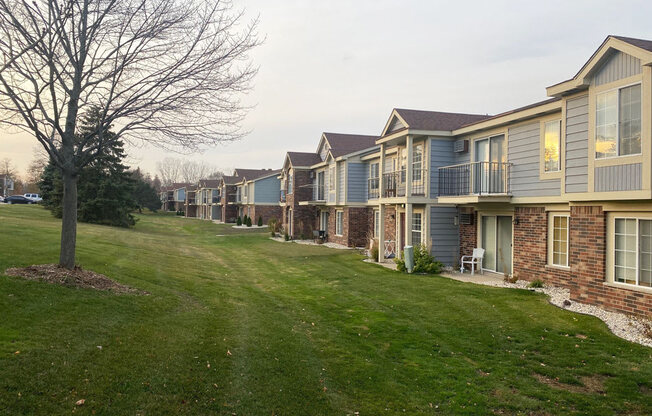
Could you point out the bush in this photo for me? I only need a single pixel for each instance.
(273, 233)
(260, 221)
(248, 221)
(244, 219)
(180, 212)
(536, 284)
(375, 249)
(286, 236)
(238, 221)
(274, 226)
(424, 262)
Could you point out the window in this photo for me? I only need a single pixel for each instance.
(323, 225)
(373, 175)
(618, 122)
(331, 180)
(417, 161)
(376, 224)
(416, 228)
(320, 186)
(633, 251)
(339, 220)
(558, 231)
(290, 183)
(552, 146)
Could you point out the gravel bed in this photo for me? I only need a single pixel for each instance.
(312, 243)
(631, 328)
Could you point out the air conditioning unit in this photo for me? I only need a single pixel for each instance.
(461, 146)
(466, 218)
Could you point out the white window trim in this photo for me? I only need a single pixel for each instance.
(412, 230)
(595, 130)
(339, 223)
(551, 242)
(612, 272)
(558, 121)
(376, 223)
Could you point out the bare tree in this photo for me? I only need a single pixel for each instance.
(169, 169)
(169, 72)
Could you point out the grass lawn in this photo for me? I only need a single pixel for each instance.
(242, 325)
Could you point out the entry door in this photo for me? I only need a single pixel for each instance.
(497, 243)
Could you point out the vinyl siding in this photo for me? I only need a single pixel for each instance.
(444, 235)
(618, 178)
(577, 144)
(618, 66)
(441, 154)
(395, 125)
(357, 182)
(524, 151)
(267, 190)
(341, 180)
(330, 194)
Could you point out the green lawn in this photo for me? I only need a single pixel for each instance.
(244, 325)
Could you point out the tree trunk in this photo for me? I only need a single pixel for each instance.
(68, 221)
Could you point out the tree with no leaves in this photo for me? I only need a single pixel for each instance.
(167, 72)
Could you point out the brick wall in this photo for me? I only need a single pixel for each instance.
(355, 226)
(266, 211)
(304, 216)
(468, 234)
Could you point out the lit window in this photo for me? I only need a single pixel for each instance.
(552, 140)
(416, 228)
(618, 122)
(339, 220)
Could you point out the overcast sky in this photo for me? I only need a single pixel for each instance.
(341, 66)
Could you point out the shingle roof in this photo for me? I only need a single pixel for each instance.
(437, 120)
(209, 183)
(516, 110)
(178, 185)
(342, 144)
(303, 158)
(230, 180)
(251, 174)
(639, 43)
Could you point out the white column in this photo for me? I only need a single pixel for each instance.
(407, 227)
(381, 232)
(408, 168)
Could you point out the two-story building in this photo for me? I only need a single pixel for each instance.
(561, 190)
(257, 194)
(228, 191)
(208, 199)
(296, 187)
(179, 196)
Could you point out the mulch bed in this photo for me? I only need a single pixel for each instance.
(52, 273)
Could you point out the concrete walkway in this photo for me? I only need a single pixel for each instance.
(488, 278)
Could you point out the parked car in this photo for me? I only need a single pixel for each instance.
(18, 199)
(33, 197)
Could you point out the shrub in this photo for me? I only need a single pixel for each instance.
(536, 284)
(238, 221)
(273, 234)
(248, 221)
(273, 225)
(286, 236)
(424, 262)
(244, 219)
(181, 213)
(260, 221)
(374, 251)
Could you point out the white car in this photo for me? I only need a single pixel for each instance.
(33, 197)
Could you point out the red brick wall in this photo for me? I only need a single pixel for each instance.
(531, 248)
(355, 226)
(587, 255)
(468, 235)
(266, 211)
(304, 216)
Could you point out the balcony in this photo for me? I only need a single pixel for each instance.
(319, 193)
(191, 201)
(283, 196)
(373, 187)
(478, 179)
(394, 183)
(216, 200)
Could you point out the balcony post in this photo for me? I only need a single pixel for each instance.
(408, 167)
(381, 172)
(381, 230)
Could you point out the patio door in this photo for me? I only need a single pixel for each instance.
(490, 153)
(497, 243)
(323, 221)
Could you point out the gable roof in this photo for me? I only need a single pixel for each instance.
(209, 183)
(303, 158)
(342, 144)
(251, 174)
(178, 185)
(429, 120)
(230, 180)
(639, 48)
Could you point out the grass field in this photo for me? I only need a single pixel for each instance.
(242, 325)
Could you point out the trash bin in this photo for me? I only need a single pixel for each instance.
(408, 255)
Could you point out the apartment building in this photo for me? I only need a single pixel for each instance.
(257, 193)
(208, 199)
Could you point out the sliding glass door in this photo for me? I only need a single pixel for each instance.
(497, 242)
(489, 174)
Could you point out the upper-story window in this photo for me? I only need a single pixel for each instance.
(331, 179)
(245, 190)
(552, 146)
(417, 162)
(618, 122)
(290, 182)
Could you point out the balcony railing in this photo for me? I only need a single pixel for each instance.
(191, 201)
(373, 188)
(319, 193)
(394, 183)
(475, 178)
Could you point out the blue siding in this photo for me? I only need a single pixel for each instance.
(441, 154)
(524, 151)
(444, 235)
(357, 182)
(267, 190)
(577, 144)
(618, 178)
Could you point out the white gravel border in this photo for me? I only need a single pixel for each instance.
(629, 327)
(312, 243)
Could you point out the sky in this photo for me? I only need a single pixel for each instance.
(342, 66)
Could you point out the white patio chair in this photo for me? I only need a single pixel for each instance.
(475, 260)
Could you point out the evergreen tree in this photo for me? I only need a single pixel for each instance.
(105, 188)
